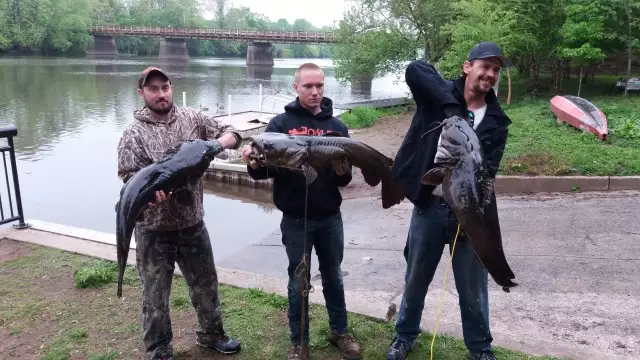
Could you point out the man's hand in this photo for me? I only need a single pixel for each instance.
(228, 141)
(160, 197)
(246, 151)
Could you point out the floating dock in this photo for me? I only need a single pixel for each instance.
(248, 123)
(376, 103)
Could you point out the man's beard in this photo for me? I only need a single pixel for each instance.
(162, 109)
(477, 88)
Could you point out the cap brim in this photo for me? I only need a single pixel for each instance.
(505, 62)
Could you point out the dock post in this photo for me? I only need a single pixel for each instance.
(184, 99)
(229, 109)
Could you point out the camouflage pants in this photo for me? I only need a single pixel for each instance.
(156, 255)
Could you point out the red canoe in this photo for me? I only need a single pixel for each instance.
(580, 114)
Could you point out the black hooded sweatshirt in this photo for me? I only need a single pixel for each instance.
(324, 197)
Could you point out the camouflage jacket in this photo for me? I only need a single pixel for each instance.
(143, 142)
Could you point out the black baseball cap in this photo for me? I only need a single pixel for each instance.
(488, 49)
(142, 80)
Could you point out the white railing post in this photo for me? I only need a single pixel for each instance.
(184, 99)
(260, 99)
(229, 110)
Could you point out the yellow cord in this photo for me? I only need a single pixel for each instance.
(444, 289)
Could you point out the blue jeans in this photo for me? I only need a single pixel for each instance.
(430, 229)
(327, 236)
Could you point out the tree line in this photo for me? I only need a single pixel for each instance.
(552, 38)
(59, 26)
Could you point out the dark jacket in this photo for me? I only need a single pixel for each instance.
(324, 197)
(436, 99)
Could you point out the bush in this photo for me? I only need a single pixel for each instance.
(102, 273)
(361, 117)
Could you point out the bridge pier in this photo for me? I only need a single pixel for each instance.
(103, 45)
(173, 49)
(362, 85)
(259, 54)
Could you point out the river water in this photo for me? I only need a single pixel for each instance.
(70, 113)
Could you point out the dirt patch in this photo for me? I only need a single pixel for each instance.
(536, 164)
(18, 343)
(386, 136)
(10, 249)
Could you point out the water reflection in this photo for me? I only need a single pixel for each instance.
(259, 72)
(70, 114)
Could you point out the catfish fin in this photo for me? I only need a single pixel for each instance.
(333, 133)
(487, 189)
(435, 176)
(309, 173)
(297, 159)
(372, 178)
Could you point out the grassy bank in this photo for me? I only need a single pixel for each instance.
(60, 305)
(363, 117)
(537, 145)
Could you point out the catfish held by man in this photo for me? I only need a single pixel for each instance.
(469, 191)
(310, 154)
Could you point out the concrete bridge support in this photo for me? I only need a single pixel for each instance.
(103, 45)
(259, 54)
(173, 49)
(362, 85)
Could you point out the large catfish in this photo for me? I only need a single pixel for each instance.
(184, 163)
(309, 154)
(469, 191)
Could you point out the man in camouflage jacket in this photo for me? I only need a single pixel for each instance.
(172, 229)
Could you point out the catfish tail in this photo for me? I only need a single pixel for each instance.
(392, 191)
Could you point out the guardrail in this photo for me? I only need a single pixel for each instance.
(9, 132)
(277, 101)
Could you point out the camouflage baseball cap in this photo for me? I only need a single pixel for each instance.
(142, 80)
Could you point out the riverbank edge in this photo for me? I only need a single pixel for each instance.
(373, 304)
(236, 174)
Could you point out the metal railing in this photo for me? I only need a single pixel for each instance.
(9, 132)
(305, 36)
(277, 101)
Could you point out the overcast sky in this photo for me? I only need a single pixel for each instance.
(318, 12)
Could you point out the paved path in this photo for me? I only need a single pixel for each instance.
(576, 256)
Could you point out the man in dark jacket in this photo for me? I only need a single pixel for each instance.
(433, 223)
(311, 114)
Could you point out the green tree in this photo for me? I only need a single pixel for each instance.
(582, 34)
(371, 43)
(624, 27)
(481, 20)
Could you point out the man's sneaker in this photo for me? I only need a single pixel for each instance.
(295, 352)
(347, 345)
(398, 350)
(483, 355)
(225, 345)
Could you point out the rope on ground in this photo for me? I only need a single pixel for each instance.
(444, 290)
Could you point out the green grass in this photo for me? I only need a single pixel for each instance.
(538, 145)
(363, 117)
(60, 318)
